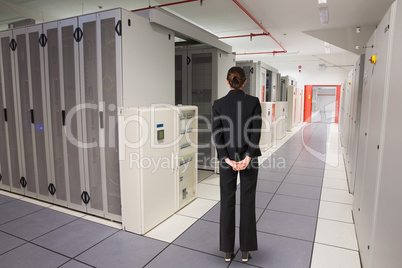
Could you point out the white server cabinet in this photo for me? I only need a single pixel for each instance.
(292, 99)
(354, 123)
(377, 199)
(158, 159)
(285, 82)
(365, 213)
(344, 109)
(64, 119)
(267, 128)
(60, 129)
(36, 74)
(5, 165)
(32, 124)
(200, 79)
(363, 139)
(281, 118)
(262, 80)
(10, 156)
(386, 244)
(299, 105)
(294, 107)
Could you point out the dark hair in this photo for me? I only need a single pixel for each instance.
(236, 77)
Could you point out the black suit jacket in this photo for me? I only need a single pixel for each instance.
(236, 126)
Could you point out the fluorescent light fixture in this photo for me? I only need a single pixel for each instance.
(324, 15)
(322, 2)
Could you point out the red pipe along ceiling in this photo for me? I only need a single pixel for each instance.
(251, 35)
(169, 4)
(265, 32)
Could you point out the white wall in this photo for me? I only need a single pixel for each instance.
(310, 74)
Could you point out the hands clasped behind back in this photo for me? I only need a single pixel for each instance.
(238, 166)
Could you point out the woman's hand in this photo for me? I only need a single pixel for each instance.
(230, 163)
(243, 163)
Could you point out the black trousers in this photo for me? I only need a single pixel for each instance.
(248, 184)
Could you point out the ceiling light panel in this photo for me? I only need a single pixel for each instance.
(322, 2)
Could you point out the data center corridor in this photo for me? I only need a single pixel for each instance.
(303, 211)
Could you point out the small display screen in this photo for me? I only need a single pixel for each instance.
(161, 135)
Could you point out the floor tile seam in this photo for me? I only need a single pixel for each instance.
(30, 240)
(318, 176)
(77, 261)
(34, 243)
(209, 199)
(199, 251)
(338, 171)
(49, 249)
(168, 244)
(309, 198)
(9, 201)
(208, 220)
(336, 202)
(333, 188)
(311, 167)
(14, 248)
(269, 180)
(326, 177)
(197, 220)
(340, 190)
(248, 264)
(42, 208)
(339, 221)
(206, 183)
(191, 217)
(290, 213)
(96, 244)
(301, 184)
(264, 192)
(338, 247)
(284, 236)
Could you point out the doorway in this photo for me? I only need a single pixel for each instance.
(322, 103)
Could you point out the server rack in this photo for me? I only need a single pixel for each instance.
(60, 127)
(267, 133)
(11, 116)
(281, 119)
(262, 80)
(201, 80)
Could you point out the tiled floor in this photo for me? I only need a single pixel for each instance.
(303, 211)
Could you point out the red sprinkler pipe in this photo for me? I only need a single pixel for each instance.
(246, 35)
(257, 53)
(169, 4)
(262, 28)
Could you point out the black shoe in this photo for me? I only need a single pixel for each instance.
(245, 256)
(229, 256)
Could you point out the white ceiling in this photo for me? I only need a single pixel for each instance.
(286, 20)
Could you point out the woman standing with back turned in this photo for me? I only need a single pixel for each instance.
(236, 131)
